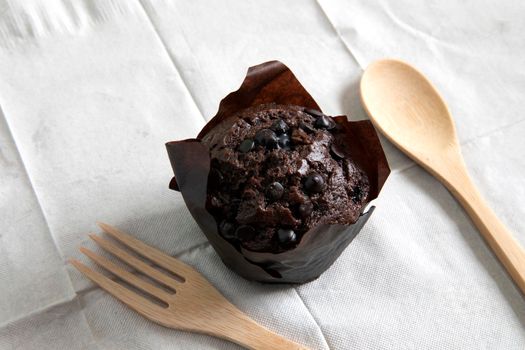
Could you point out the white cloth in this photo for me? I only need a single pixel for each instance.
(91, 89)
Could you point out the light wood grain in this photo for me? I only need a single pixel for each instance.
(196, 306)
(409, 111)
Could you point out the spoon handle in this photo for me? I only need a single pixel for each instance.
(499, 238)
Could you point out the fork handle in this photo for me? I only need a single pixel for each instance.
(237, 327)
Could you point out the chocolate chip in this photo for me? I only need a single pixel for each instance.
(267, 138)
(314, 183)
(246, 146)
(286, 235)
(324, 122)
(284, 141)
(314, 112)
(275, 191)
(307, 127)
(305, 209)
(227, 229)
(279, 126)
(245, 232)
(336, 151)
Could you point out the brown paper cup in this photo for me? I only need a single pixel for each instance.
(273, 82)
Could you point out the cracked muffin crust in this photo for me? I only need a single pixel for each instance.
(277, 171)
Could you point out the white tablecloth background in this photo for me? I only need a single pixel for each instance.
(91, 89)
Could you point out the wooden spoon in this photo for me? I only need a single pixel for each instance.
(409, 111)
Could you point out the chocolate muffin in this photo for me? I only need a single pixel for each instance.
(277, 171)
(277, 187)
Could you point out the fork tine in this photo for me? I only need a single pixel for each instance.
(133, 300)
(134, 262)
(169, 263)
(126, 275)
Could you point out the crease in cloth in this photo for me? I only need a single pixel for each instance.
(313, 318)
(74, 295)
(491, 132)
(31, 33)
(38, 311)
(336, 31)
(172, 59)
(30, 21)
(427, 37)
(34, 192)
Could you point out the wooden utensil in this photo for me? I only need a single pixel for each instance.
(196, 306)
(409, 111)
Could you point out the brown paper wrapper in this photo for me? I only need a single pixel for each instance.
(319, 247)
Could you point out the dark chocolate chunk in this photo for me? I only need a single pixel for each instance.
(314, 183)
(336, 151)
(305, 209)
(284, 141)
(286, 235)
(307, 127)
(267, 138)
(324, 122)
(227, 229)
(275, 191)
(246, 146)
(279, 126)
(314, 112)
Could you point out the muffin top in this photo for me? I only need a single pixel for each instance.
(277, 171)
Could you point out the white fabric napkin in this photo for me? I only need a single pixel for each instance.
(91, 90)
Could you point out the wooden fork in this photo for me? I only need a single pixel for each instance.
(196, 306)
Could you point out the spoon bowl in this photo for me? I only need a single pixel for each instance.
(409, 111)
